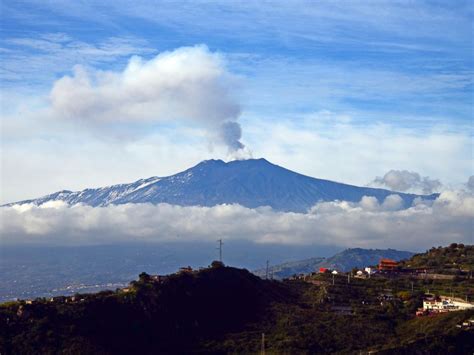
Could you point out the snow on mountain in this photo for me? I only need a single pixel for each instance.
(250, 183)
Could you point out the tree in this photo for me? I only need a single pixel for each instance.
(216, 264)
(144, 277)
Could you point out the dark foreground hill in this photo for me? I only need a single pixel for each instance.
(226, 310)
(250, 183)
(169, 317)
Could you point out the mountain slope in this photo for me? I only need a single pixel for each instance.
(343, 261)
(358, 257)
(250, 183)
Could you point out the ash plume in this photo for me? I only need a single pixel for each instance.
(189, 84)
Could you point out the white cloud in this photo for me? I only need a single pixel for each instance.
(341, 223)
(328, 146)
(403, 180)
(37, 60)
(391, 203)
(187, 84)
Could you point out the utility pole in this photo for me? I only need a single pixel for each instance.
(266, 271)
(349, 278)
(333, 279)
(262, 349)
(220, 249)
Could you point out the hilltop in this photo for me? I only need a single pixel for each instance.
(149, 317)
(455, 259)
(251, 183)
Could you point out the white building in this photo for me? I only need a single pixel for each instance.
(446, 305)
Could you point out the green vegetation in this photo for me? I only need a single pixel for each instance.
(225, 310)
(456, 259)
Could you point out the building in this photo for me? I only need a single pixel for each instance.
(457, 304)
(160, 278)
(387, 265)
(369, 270)
(186, 269)
(443, 305)
(323, 270)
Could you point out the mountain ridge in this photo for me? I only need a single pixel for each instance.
(251, 183)
(342, 261)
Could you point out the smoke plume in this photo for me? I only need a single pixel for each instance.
(189, 84)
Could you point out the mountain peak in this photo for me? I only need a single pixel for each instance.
(220, 161)
(251, 183)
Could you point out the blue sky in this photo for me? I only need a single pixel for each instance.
(340, 90)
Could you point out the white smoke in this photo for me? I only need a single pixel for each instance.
(403, 180)
(187, 84)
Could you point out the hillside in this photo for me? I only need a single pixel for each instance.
(226, 310)
(454, 259)
(290, 268)
(358, 257)
(250, 183)
(153, 317)
(343, 261)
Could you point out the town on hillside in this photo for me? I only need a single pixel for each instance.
(411, 277)
(424, 303)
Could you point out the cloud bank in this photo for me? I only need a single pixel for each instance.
(403, 180)
(364, 224)
(189, 84)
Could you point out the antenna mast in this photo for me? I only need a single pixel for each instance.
(220, 249)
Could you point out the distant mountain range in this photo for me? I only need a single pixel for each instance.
(343, 261)
(250, 183)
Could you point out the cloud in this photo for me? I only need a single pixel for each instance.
(188, 84)
(340, 223)
(403, 180)
(331, 145)
(36, 61)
